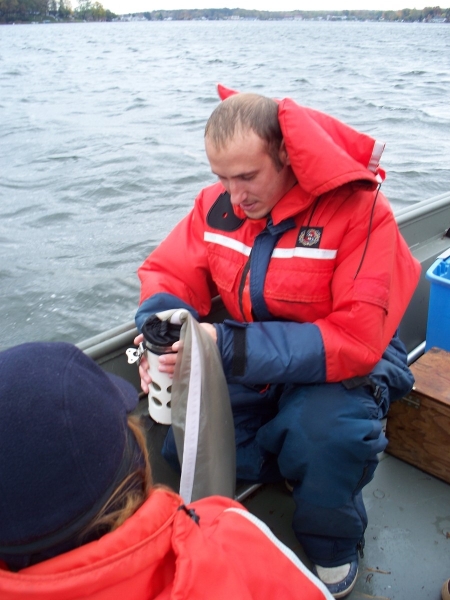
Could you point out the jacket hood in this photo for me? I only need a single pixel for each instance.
(324, 152)
(123, 563)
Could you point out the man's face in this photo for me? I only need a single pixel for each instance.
(248, 173)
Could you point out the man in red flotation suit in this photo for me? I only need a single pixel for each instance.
(303, 249)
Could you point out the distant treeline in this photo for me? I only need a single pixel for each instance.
(428, 14)
(21, 11)
(26, 11)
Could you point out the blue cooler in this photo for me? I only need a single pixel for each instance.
(438, 326)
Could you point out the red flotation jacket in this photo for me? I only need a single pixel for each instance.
(339, 279)
(212, 549)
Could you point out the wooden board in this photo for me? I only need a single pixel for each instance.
(418, 425)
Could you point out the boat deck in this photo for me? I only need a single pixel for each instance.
(407, 551)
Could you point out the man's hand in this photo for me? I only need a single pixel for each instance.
(211, 330)
(166, 364)
(166, 361)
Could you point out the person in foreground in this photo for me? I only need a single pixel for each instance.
(303, 248)
(79, 516)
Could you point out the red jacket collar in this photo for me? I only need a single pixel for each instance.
(292, 203)
(324, 152)
(155, 515)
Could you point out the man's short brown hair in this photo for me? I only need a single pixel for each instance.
(243, 112)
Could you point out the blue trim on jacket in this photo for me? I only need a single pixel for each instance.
(157, 303)
(275, 352)
(261, 253)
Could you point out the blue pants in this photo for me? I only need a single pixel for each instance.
(325, 439)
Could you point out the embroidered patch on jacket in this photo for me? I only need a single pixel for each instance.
(309, 237)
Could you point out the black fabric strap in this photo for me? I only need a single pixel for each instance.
(239, 352)
(355, 382)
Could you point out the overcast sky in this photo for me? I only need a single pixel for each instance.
(129, 6)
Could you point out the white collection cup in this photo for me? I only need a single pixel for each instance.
(157, 343)
(160, 392)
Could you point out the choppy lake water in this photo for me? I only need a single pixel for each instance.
(101, 141)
